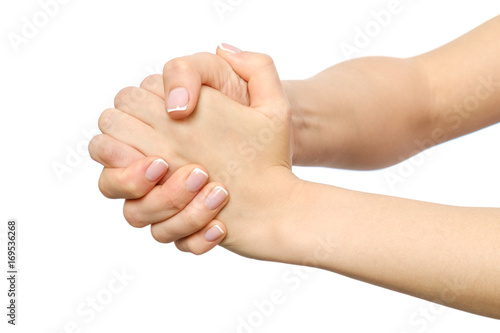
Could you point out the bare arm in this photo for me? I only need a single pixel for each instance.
(441, 253)
(373, 112)
(448, 255)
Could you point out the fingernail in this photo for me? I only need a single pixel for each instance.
(178, 100)
(156, 170)
(196, 180)
(216, 197)
(230, 48)
(214, 233)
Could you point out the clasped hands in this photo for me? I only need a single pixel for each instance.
(177, 146)
(225, 125)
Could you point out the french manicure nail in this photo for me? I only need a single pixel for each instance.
(156, 170)
(196, 180)
(214, 233)
(216, 197)
(230, 48)
(178, 100)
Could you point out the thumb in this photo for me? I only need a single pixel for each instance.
(183, 78)
(264, 85)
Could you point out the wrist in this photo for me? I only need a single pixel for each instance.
(304, 235)
(306, 125)
(286, 233)
(262, 220)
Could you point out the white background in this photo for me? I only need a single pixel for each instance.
(72, 239)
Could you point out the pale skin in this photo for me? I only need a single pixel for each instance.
(362, 114)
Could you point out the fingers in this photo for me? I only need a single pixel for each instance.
(203, 240)
(134, 181)
(112, 153)
(164, 201)
(201, 210)
(183, 78)
(141, 104)
(154, 84)
(130, 131)
(178, 209)
(258, 70)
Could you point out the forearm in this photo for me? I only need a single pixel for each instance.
(444, 254)
(355, 115)
(373, 112)
(464, 80)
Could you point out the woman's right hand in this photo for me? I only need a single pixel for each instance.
(142, 182)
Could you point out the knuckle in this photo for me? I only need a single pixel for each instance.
(177, 65)
(109, 152)
(159, 234)
(152, 82)
(104, 150)
(106, 120)
(196, 250)
(190, 245)
(181, 245)
(133, 217)
(264, 59)
(129, 95)
(191, 221)
(173, 202)
(103, 188)
(95, 147)
(203, 54)
(123, 96)
(131, 186)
